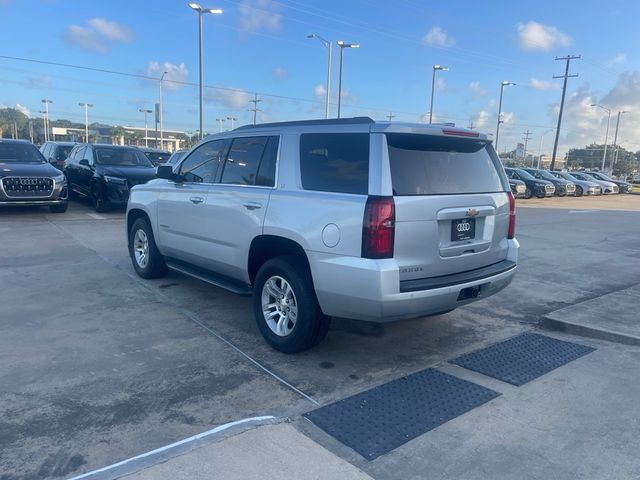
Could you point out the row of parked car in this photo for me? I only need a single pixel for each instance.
(529, 182)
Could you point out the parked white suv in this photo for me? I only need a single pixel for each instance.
(349, 218)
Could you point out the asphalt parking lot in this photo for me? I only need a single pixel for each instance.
(97, 365)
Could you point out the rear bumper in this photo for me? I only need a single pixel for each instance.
(370, 290)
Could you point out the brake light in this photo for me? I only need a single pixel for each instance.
(460, 133)
(511, 232)
(378, 227)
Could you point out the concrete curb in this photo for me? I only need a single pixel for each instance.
(584, 331)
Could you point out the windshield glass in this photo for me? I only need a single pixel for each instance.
(564, 175)
(546, 175)
(175, 158)
(524, 174)
(602, 176)
(581, 176)
(123, 157)
(434, 165)
(63, 152)
(20, 152)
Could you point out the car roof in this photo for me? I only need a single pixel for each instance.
(13, 140)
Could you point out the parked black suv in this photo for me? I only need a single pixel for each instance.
(563, 186)
(157, 156)
(57, 152)
(105, 173)
(27, 179)
(539, 188)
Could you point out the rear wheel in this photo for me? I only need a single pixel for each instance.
(147, 260)
(285, 306)
(578, 191)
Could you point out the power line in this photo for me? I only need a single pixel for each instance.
(566, 75)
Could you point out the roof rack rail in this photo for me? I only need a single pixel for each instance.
(300, 123)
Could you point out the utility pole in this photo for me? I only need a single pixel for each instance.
(471, 125)
(566, 75)
(390, 116)
(525, 136)
(615, 138)
(255, 108)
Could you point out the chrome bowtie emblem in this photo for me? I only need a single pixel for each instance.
(472, 212)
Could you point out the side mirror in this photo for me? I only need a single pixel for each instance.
(166, 172)
(84, 162)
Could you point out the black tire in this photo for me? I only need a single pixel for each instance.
(155, 266)
(99, 199)
(527, 193)
(59, 208)
(540, 195)
(578, 191)
(311, 325)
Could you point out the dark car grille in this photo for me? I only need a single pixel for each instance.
(27, 186)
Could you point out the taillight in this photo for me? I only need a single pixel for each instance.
(460, 133)
(511, 233)
(378, 228)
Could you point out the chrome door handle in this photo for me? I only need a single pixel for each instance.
(196, 200)
(252, 205)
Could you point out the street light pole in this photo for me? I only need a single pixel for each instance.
(502, 85)
(201, 11)
(146, 130)
(540, 149)
(606, 136)
(220, 121)
(433, 87)
(160, 108)
(46, 116)
(342, 46)
(615, 138)
(328, 45)
(232, 119)
(86, 106)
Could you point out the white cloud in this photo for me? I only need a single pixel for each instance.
(319, 91)
(476, 89)
(280, 73)
(43, 81)
(98, 36)
(258, 15)
(175, 73)
(617, 59)
(535, 36)
(231, 98)
(542, 84)
(437, 37)
(480, 120)
(23, 109)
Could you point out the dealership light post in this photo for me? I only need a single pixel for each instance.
(146, 130)
(46, 117)
(606, 136)
(220, 122)
(615, 137)
(327, 44)
(202, 11)
(433, 87)
(502, 85)
(86, 106)
(232, 120)
(540, 149)
(160, 109)
(342, 46)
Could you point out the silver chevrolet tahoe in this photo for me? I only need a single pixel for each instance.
(350, 218)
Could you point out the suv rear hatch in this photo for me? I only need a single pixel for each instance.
(451, 203)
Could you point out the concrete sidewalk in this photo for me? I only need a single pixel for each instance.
(271, 451)
(613, 317)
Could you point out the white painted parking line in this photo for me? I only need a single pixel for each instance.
(177, 444)
(583, 211)
(96, 216)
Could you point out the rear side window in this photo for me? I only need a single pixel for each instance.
(434, 165)
(244, 161)
(335, 162)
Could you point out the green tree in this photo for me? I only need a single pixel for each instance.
(10, 117)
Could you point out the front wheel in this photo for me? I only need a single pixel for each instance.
(99, 199)
(285, 306)
(578, 191)
(147, 260)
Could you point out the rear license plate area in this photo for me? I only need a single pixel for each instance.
(471, 292)
(463, 229)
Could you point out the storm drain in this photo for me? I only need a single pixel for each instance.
(376, 421)
(522, 358)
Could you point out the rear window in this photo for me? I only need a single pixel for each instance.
(434, 165)
(335, 162)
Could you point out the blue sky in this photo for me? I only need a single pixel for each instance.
(261, 46)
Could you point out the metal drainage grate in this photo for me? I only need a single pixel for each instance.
(381, 419)
(522, 358)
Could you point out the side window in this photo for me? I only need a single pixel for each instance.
(243, 161)
(46, 150)
(335, 162)
(267, 169)
(88, 155)
(78, 155)
(202, 164)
